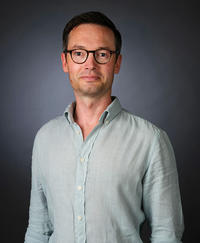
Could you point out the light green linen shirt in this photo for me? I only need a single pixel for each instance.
(100, 190)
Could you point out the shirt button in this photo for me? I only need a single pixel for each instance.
(79, 218)
(79, 188)
(78, 132)
(82, 159)
(106, 122)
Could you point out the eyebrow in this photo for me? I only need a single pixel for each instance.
(83, 47)
(78, 47)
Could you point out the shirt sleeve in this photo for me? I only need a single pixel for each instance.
(39, 227)
(161, 194)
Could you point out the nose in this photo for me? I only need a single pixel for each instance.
(90, 63)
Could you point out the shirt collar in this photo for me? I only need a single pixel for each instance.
(108, 115)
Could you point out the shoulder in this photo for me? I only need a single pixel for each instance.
(52, 128)
(147, 132)
(139, 125)
(149, 136)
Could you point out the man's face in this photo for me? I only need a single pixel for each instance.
(90, 78)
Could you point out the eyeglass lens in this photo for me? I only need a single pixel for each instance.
(101, 55)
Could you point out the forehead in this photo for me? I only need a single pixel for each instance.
(91, 36)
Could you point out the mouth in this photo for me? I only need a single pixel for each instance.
(90, 78)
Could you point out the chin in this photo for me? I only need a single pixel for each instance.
(91, 92)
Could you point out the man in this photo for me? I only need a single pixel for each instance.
(99, 171)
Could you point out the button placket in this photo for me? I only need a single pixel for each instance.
(81, 177)
(79, 204)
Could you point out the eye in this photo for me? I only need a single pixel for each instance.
(78, 53)
(102, 53)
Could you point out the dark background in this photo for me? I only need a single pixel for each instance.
(159, 81)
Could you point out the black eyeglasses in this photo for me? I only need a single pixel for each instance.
(101, 56)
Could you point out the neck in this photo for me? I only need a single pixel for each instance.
(88, 111)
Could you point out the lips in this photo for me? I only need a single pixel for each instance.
(90, 77)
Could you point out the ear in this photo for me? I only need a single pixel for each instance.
(64, 62)
(118, 64)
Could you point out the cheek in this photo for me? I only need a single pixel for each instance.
(73, 70)
(109, 71)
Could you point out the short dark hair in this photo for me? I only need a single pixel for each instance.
(92, 17)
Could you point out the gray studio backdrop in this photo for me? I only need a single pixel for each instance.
(159, 81)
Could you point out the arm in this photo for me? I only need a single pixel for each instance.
(161, 195)
(39, 228)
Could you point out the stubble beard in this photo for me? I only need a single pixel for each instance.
(93, 89)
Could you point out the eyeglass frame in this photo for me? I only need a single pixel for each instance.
(92, 51)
